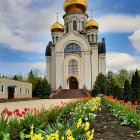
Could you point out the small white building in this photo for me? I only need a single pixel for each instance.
(14, 89)
(74, 57)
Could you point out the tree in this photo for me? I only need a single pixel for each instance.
(31, 79)
(15, 77)
(135, 85)
(118, 92)
(100, 85)
(42, 88)
(110, 83)
(122, 76)
(127, 90)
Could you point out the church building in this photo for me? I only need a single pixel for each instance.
(74, 57)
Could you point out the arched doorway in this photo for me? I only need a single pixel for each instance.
(73, 83)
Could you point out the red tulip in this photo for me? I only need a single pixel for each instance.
(23, 112)
(9, 113)
(16, 110)
(1, 112)
(127, 109)
(25, 109)
(136, 102)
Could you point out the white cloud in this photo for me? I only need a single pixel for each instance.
(117, 61)
(135, 40)
(24, 28)
(15, 68)
(119, 23)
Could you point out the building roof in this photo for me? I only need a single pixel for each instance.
(102, 47)
(75, 6)
(48, 49)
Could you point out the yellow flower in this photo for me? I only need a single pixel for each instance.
(78, 124)
(68, 132)
(62, 138)
(86, 126)
(31, 133)
(85, 107)
(70, 138)
(80, 120)
(37, 137)
(92, 131)
(31, 127)
(100, 109)
(90, 138)
(88, 133)
(93, 108)
(48, 137)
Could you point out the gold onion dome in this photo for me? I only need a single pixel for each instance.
(57, 27)
(75, 6)
(91, 24)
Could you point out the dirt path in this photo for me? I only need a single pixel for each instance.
(38, 104)
(108, 127)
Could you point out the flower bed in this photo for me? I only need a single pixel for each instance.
(125, 111)
(3, 100)
(67, 121)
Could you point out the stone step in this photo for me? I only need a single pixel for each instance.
(72, 94)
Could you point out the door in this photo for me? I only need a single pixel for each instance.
(11, 91)
(73, 84)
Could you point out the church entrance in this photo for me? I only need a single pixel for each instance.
(73, 83)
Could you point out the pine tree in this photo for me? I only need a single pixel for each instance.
(31, 79)
(135, 85)
(127, 91)
(100, 85)
(110, 83)
(15, 77)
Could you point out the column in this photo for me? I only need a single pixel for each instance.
(88, 70)
(48, 69)
(94, 64)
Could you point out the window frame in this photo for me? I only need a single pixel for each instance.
(2, 88)
(20, 90)
(75, 25)
(72, 48)
(73, 67)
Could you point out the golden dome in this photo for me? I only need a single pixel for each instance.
(57, 27)
(75, 6)
(91, 24)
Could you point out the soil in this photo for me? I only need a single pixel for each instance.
(108, 127)
(138, 109)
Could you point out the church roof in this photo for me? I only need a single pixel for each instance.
(102, 46)
(48, 49)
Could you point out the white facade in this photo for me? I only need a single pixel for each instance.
(76, 69)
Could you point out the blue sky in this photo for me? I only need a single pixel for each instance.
(25, 32)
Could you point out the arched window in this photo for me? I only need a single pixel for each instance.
(88, 37)
(53, 40)
(67, 27)
(83, 25)
(96, 38)
(56, 38)
(72, 48)
(92, 36)
(73, 67)
(75, 25)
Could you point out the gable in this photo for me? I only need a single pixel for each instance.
(72, 37)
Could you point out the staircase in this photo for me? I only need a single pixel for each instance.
(71, 94)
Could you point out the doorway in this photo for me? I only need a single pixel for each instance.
(73, 83)
(11, 91)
